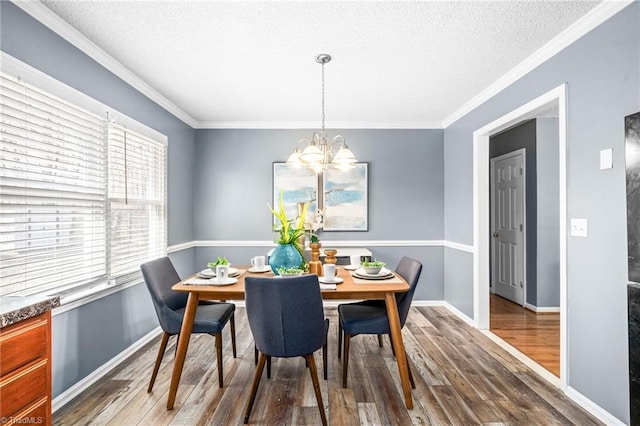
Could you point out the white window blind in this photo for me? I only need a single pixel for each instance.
(137, 188)
(82, 200)
(52, 191)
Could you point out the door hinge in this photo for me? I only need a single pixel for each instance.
(521, 285)
(521, 228)
(521, 171)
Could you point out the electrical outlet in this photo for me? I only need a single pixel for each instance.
(578, 227)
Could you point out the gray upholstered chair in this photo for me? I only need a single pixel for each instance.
(370, 316)
(286, 318)
(211, 317)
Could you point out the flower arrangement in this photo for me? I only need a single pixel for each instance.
(290, 233)
(314, 225)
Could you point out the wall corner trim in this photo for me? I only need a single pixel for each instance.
(593, 408)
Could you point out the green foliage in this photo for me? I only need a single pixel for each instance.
(219, 261)
(374, 263)
(290, 233)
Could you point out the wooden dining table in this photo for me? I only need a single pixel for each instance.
(351, 288)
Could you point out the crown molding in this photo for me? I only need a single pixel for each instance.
(52, 21)
(582, 26)
(313, 125)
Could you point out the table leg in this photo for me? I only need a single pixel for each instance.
(398, 346)
(183, 344)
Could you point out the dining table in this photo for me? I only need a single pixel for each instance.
(350, 288)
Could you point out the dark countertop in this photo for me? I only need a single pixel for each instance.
(14, 309)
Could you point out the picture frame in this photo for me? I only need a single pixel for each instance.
(298, 185)
(345, 198)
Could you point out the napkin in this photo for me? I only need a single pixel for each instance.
(327, 286)
(198, 281)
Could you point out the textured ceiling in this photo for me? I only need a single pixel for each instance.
(251, 64)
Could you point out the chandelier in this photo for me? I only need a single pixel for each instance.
(318, 153)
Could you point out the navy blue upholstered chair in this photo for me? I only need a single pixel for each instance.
(211, 317)
(286, 318)
(370, 316)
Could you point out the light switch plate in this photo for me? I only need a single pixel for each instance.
(606, 159)
(578, 227)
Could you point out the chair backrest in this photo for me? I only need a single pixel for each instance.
(160, 276)
(409, 269)
(285, 315)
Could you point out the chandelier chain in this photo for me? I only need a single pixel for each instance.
(323, 97)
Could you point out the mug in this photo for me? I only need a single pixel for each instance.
(257, 262)
(222, 273)
(355, 260)
(329, 270)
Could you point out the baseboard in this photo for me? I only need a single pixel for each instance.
(75, 390)
(542, 310)
(460, 314)
(600, 413)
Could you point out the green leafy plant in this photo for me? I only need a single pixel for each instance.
(219, 261)
(290, 271)
(290, 232)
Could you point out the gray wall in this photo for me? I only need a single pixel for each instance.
(523, 136)
(406, 184)
(548, 249)
(602, 70)
(84, 338)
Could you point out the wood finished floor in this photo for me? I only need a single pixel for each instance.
(462, 378)
(535, 335)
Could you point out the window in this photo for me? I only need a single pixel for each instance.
(82, 200)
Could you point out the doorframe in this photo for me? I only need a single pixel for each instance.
(523, 152)
(481, 225)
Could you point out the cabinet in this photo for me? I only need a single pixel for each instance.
(25, 371)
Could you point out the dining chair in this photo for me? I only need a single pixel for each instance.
(370, 316)
(287, 320)
(211, 317)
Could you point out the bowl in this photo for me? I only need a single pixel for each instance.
(372, 270)
(213, 267)
(290, 272)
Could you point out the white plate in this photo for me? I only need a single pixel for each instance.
(335, 280)
(351, 267)
(208, 273)
(228, 281)
(266, 268)
(384, 271)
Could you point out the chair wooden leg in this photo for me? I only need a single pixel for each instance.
(163, 347)
(255, 354)
(339, 339)
(380, 341)
(232, 322)
(219, 356)
(316, 386)
(324, 360)
(254, 387)
(413, 384)
(345, 360)
(268, 367)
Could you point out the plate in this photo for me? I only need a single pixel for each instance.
(228, 281)
(335, 280)
(208, 273)
(259, 271)
(373, 277)
(383, 273)
(351, 267)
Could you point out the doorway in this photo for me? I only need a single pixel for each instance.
(481, 206)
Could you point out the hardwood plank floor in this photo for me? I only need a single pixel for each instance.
(461, 377)
(535, 335)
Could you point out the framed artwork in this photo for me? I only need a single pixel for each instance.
(345, 199)
(299, 185)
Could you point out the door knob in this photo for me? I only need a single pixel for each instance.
(495, 234)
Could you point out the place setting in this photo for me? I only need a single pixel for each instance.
(329, 280)
(372, 270)
(258, 265)
(218, 272)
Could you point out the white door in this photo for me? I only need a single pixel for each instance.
(507, 226)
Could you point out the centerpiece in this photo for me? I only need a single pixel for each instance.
(289, 251)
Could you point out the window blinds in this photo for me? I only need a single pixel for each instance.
(52, 191)
(137, 187)
(82, 200)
